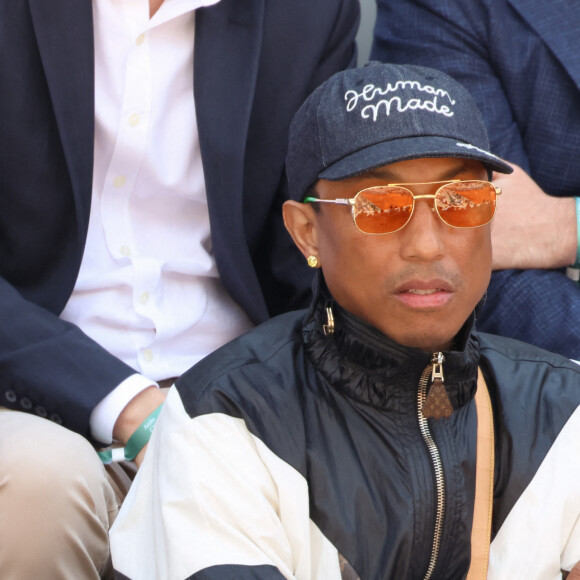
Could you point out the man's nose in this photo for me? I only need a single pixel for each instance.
(422, 236)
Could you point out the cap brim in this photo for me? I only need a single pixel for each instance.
(388, 152)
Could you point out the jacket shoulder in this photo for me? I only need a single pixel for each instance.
(260, 379)
(508, 351)
(255, 362)
(535, 391)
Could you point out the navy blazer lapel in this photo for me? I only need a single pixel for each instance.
(556, 22)
(228, 40)
(227, 49)
(64, 32)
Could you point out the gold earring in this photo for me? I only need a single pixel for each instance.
(328, 328)
(312, 261)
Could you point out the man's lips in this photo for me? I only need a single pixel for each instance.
(425, 293)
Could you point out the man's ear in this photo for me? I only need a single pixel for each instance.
(300, 220)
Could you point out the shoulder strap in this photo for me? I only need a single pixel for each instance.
(483, 505)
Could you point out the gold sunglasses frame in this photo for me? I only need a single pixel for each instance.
(352, 201)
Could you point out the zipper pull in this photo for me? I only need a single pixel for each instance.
(437, 404)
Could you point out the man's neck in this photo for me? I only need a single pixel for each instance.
(154, 6)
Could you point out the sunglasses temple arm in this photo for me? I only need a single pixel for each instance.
(339, 201)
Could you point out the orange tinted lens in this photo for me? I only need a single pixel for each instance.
(382, 210)
(466, 204)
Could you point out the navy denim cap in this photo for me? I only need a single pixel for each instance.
(364, 118)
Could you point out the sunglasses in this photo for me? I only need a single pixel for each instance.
(385, 209)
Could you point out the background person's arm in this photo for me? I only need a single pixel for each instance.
(49, 367)
(532, 230)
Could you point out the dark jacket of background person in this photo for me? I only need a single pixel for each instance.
(520, 59)
(249, 81)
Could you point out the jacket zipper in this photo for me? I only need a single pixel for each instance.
(435, 369)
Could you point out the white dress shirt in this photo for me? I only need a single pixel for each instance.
(148, 289)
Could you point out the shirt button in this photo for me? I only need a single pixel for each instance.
(140, 40)
(148, 355)
(119, 181)
(26, 403)
(134, 119)
(144, 298)
(10, 396)
(125, 250)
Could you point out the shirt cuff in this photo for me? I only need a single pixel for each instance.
(105, 414)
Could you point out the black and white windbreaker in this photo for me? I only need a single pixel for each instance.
(291, 454)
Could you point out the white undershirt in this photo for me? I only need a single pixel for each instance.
(148, 289)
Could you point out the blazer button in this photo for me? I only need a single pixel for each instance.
(26, 403)
(40, 411)
(10, 396)
(56, 419)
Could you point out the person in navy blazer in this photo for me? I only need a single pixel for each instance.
(255, 62)
(521, 61)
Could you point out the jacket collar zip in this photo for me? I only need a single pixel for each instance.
(368, 366)
(435, 405)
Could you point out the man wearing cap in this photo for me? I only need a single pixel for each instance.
(377, 435)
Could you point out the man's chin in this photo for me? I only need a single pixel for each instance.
(431, 339)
